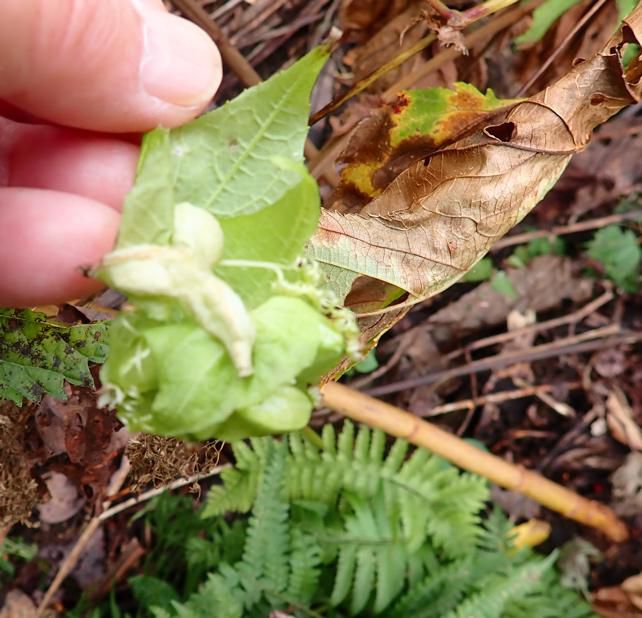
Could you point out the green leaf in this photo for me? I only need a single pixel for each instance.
(231, 176)
(544, 16)
(536, 247)
(503, 285)
(175, 379)
(276, 234)
(368, 364)
(151, 591)
(482, 271)
(619, 253)
(222, 161)
(149, 207)
(38, 355)
(624, 7)
(230, 327)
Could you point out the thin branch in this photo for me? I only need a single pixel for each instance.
(157, 491)
(239, 65)
(70, 561)
(501, 397)
(562, 230)
(397, 422)
(457, 20)
(570, 318)
(567, 39)
(567, 345)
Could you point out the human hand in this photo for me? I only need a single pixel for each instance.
(74, 75)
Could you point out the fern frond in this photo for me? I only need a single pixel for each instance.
(372, 559)
(305, 562)
(496, 591)
(265, 555)
(239, 484)
(438, 593)
(219, 596)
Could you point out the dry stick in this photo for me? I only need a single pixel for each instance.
(73, 556)
(547, 350)
(570, 318)
(463, 19)
(500, 22)
(239, 65)
(401, 424)
(501, 397)
(562, 230)
(567, 39)
(157, 491)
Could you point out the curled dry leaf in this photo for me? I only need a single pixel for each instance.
(437, 217)
(619, 418)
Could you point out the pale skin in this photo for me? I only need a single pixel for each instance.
(79, 83)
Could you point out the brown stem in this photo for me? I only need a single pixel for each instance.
(539, 352)
(397, 422)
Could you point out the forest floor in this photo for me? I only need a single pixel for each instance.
(540, 359)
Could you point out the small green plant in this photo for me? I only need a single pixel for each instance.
(536, 247)
(12, 550)
(349, 528)
(482, 271)
(545, 15)
(618, 251)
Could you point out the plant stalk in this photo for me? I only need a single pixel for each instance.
(401, 424)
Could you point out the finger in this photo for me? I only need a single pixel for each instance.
(107, 65)
(47, 238)
(92, 165)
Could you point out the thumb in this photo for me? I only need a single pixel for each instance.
(106, 65)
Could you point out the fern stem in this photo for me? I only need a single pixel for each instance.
(401, 424)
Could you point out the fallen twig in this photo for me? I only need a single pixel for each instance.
(570, 318)
(157, 491)
(401, 424)
(73, 556)
(567, 345)
(501, 397)
(562, 230)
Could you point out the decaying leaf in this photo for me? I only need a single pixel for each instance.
(64, 501)
(397, 135)
(37, 355)
(627, 486)
(439, 216)
(620, 421)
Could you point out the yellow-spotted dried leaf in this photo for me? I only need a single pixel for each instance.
(440, 215)
(416, 124)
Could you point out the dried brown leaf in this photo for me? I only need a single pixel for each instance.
(442, 214)
(619, 419)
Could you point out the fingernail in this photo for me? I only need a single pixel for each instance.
(180, 63)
